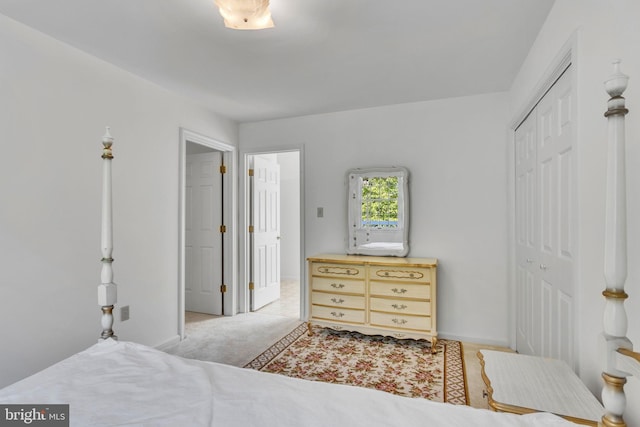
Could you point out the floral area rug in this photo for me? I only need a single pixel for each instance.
(403, 367)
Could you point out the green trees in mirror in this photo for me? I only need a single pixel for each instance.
(378, 211)
(379, 201)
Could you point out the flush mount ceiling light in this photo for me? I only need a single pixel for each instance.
(245, 14)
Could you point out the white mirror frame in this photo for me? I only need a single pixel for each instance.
(363, 241)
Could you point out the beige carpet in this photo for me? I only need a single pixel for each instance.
(239, 339)
(232, 340)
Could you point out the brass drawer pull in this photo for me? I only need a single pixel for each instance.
(337, 285)
(337, 301)
(400, 274)
(398, 291)
(399, 307)
(399, 321)
(334, 314)
(338, 270)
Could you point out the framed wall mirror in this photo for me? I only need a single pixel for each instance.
(378, 211)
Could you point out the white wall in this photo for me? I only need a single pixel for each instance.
(455, 150)
(55, 103)
(289, 214)
(605, 30)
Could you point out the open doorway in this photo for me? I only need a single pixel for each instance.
(207, 242)
(274, 239)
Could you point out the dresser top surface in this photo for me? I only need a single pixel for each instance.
(377, 260)
(543, 384)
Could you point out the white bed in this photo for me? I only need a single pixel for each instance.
(115, 383)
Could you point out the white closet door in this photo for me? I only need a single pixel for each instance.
(203, 217)
(545, 223)
(527, 272)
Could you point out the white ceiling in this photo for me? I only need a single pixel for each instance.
(322, 55)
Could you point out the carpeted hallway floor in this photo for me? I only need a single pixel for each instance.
(236, 340)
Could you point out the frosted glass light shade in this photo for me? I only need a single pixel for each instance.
(245, 14)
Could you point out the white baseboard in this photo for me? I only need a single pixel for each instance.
(474, 340)
(168, 343)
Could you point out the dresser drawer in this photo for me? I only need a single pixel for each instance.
(400, 306)
(338, 270)
(337, 300)
(404, 290)
(400, 274)
(420, 323)
(331, 284)
(337, 314)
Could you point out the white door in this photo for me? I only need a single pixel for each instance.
(266, 230)
(527, 272)
(545, 224)
(203, 247)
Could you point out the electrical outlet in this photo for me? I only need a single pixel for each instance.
(320, 212)
(124, 313)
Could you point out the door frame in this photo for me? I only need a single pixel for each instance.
(229, 219)
(243, 288)
(567, 56)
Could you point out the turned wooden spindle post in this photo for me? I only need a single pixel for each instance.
(107, 291)
(615, 253)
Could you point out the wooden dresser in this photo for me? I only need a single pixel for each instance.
(374, 295)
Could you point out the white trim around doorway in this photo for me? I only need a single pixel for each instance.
(230, 215)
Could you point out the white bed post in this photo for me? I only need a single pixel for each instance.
(615, 253)
(107, 291)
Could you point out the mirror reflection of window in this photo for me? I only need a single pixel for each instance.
(379, 197)
(378, 211)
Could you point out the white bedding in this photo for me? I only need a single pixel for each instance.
(126, 384)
